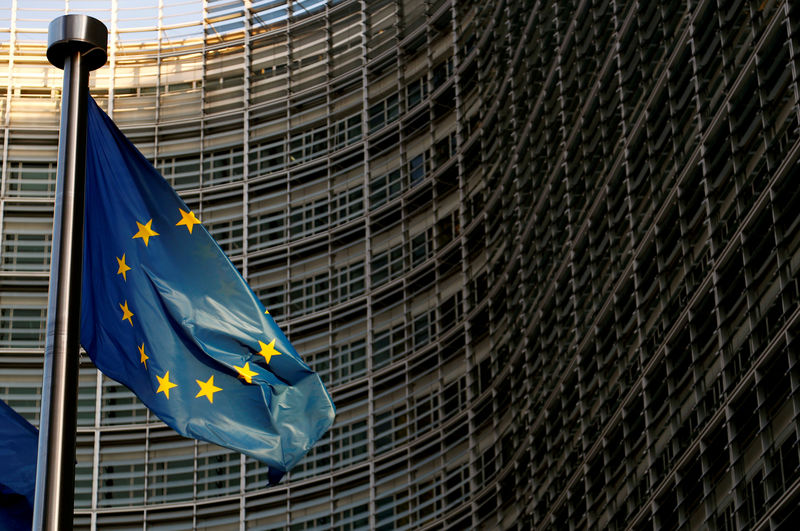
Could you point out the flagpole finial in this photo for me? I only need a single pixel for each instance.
(68, 34)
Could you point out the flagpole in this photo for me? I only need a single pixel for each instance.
(76, 44)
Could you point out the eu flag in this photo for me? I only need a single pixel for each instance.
(18, 447)
(165, 313)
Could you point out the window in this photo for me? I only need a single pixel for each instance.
(386, 265)
(22, 327)
(308, 218)
(217, 471)
(181, 172)
(424, 328)
(309, 294)
(390, 428)
(31, 178)
(120, 405)
(442, 72)
(455, 397)
(445, 148)
(448, 228)
(347, 205)
(273, 297)
(266, 229)
(222, 216)
(308, 145)
(267, 157)
(384, 112)
(352, 518)
(349, 442)
(786, 463)
(170, 468)
(345, 131)
(349, 360)
(416, 91)
(392, 511)
(421, 247)
(451, 311)
(426, 411)
(457, 485)
(388, 344)
(27, 237)
(725, 520)
(384, 187)
(223, 166)
(348, 282)
(753, 499)
(417, 168)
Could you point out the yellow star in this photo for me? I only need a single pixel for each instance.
(266, 312)
(123, 267)
(145, 232)
(164, 385)
(207, 389)
(268, 350)
(144, 357)
(245, 372)
(188, 219)
(126, 313)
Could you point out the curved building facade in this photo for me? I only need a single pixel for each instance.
(544, 255)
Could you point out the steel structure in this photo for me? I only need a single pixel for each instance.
(544, 254)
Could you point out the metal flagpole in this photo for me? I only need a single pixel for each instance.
(76, 44)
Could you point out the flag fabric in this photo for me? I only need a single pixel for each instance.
(166, 313)
(18, 446)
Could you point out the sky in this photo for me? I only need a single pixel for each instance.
(136, 20)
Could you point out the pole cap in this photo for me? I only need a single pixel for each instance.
(68, 34)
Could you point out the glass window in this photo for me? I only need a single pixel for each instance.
(380, 268)
(424, 328)
(22, 327)
(223, 166)
(387, 345)
(31, 179)
(267, 157)
(170, 467)
(376, 116)
(309, 294)
(348, 204)
(421, 247)
(266, 230)
(442, 72)
(387, 265)
(121, 470)
(307, 145)
(384, 112)
(222, 216)
(349, 442)
(384, 188)
(416, 91)
(120, 405)
(416, 169)
(308, 218)
(217, 471)
(27, 237)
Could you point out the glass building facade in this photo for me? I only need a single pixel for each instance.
(544, 255)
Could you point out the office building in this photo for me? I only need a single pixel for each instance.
(544, 254)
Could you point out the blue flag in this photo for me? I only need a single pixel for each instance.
(18, 447)
(165, 313)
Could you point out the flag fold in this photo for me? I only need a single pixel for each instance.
(166, 313)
